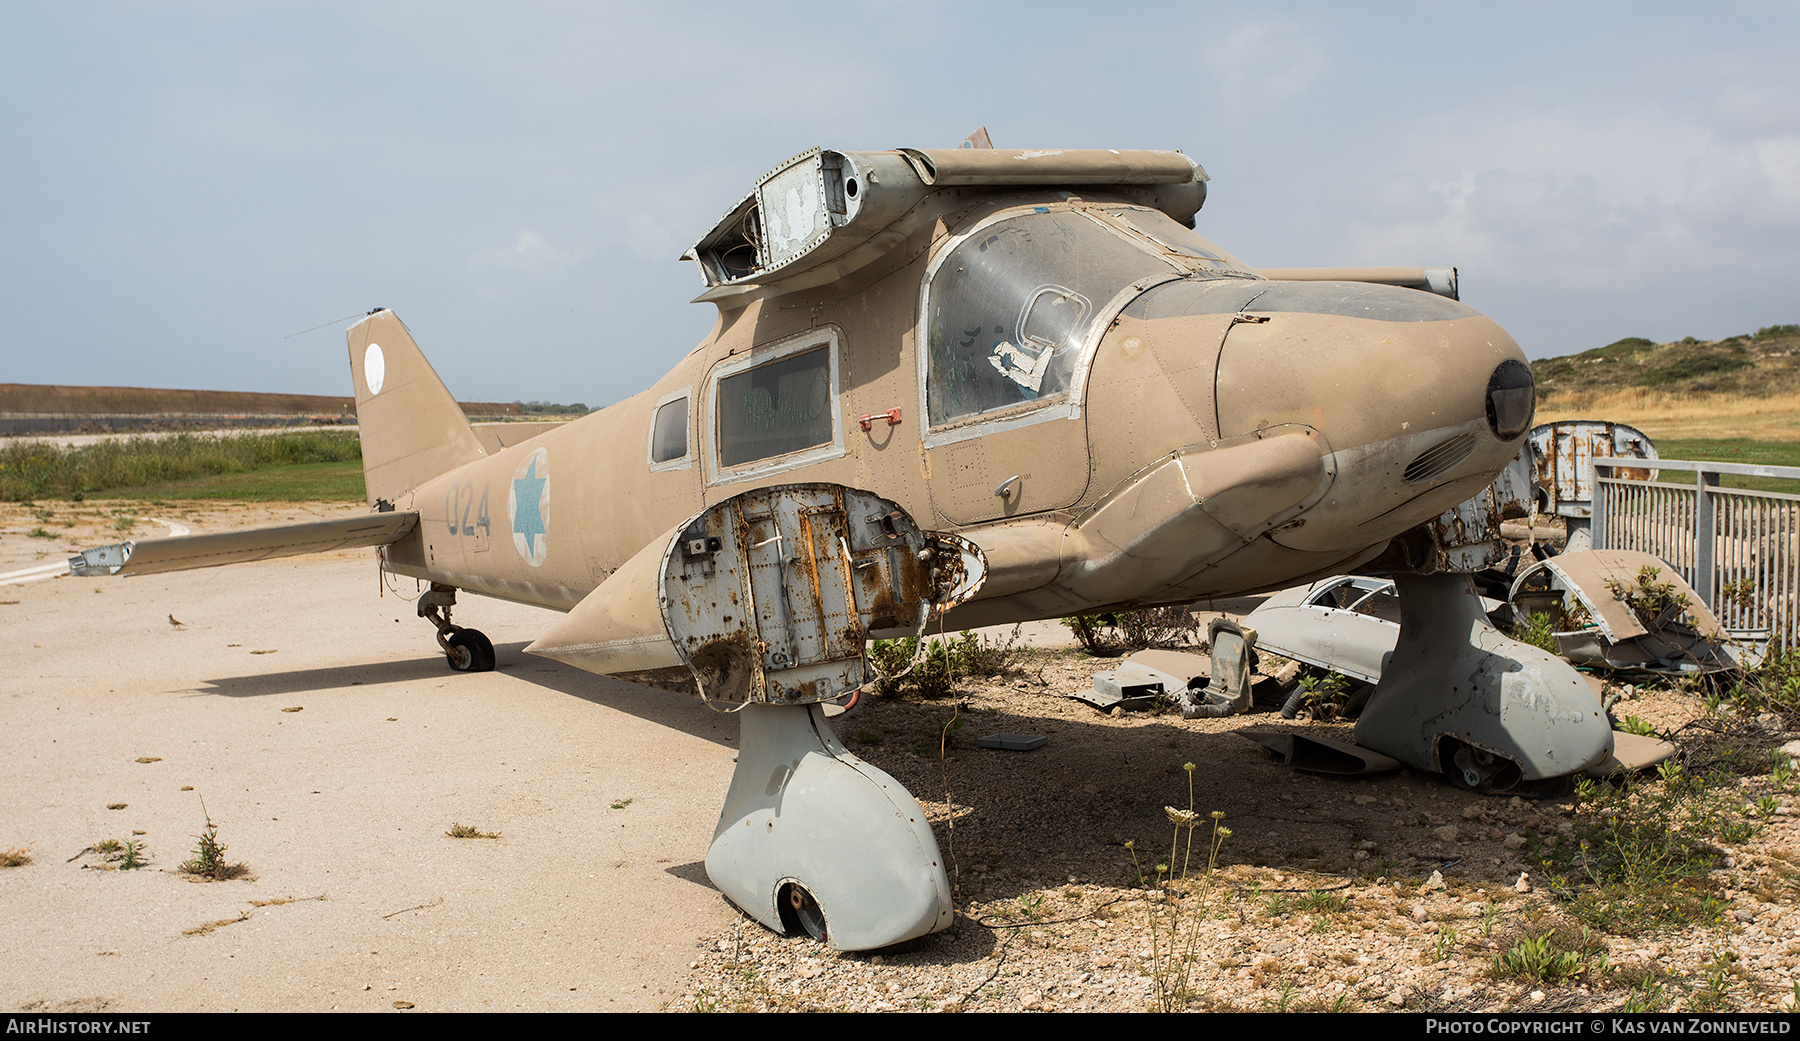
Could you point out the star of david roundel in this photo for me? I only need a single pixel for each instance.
(528, 507)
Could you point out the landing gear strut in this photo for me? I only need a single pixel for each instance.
(467, 650)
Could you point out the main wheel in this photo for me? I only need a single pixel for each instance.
(470, 651)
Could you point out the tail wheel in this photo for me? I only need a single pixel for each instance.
(799, 911)
(467, 650)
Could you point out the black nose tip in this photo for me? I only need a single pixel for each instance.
(1511, 399)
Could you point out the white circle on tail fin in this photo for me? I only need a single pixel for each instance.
(374, 368)
(528, 507)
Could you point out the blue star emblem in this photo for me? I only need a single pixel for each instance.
(527, 492)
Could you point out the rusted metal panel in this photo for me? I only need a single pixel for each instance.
(1565, 454)
(769, 596)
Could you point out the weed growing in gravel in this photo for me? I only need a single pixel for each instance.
(209, 861)
(1715, 994)
(1172, 907)
(1645, 996)
(1446, 939)
(1645, 849)
(1552, 957)
(930, 668)
(470, 831)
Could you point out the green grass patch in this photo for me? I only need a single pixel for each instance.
(1733, 450)
(299, 482)
(310, 465)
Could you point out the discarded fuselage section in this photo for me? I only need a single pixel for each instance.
(1624, 610)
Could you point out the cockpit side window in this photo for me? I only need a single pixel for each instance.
(669, 433)
(1009, 309)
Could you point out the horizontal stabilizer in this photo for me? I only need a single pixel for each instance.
(187, 552)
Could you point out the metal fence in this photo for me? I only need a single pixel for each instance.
(1739, 549)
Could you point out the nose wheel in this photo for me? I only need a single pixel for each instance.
(466, 650)
(1480, 770)
(800, 912)
(814, 840)
(469, 651)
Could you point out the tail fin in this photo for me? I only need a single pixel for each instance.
(411, 428)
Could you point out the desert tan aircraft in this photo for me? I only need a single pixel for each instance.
(1001, 384)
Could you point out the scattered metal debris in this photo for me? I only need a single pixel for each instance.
(1228, 692)
(1012, 742)
(1319, 754)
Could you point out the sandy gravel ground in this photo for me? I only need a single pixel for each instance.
(341, 806)
(152, 693)
(1332, 894)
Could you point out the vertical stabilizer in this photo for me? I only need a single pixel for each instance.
(410, 426)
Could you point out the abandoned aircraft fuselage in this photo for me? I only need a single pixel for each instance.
(1012, 384)
(1115, 409)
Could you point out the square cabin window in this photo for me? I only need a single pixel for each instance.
(776, 409)
(668, 436)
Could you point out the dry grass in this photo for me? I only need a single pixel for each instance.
(470, 831)
(1675, 415)
(202, 930)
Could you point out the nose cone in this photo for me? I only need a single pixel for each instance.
(1419, 399)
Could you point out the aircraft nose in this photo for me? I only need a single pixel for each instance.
(1419, 399)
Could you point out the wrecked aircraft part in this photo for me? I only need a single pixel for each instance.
(1466, 538)
(1460, 698)
(1633, 752)
(1604, 616)
(1347, 624)
(1130, 686)
(811, 836)
(1563, 456)
(1317, 753)
(768, 596)
(1228, 691)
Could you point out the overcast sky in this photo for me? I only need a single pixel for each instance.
(182, 185)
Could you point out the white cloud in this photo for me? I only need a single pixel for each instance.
(1261, 64)
(532, 254)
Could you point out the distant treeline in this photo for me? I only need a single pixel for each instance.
(545, 408)
(32, 470)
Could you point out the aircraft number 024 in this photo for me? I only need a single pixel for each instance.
(458, 501)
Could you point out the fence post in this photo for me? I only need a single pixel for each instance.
(1704, 579)
(1597, 509)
